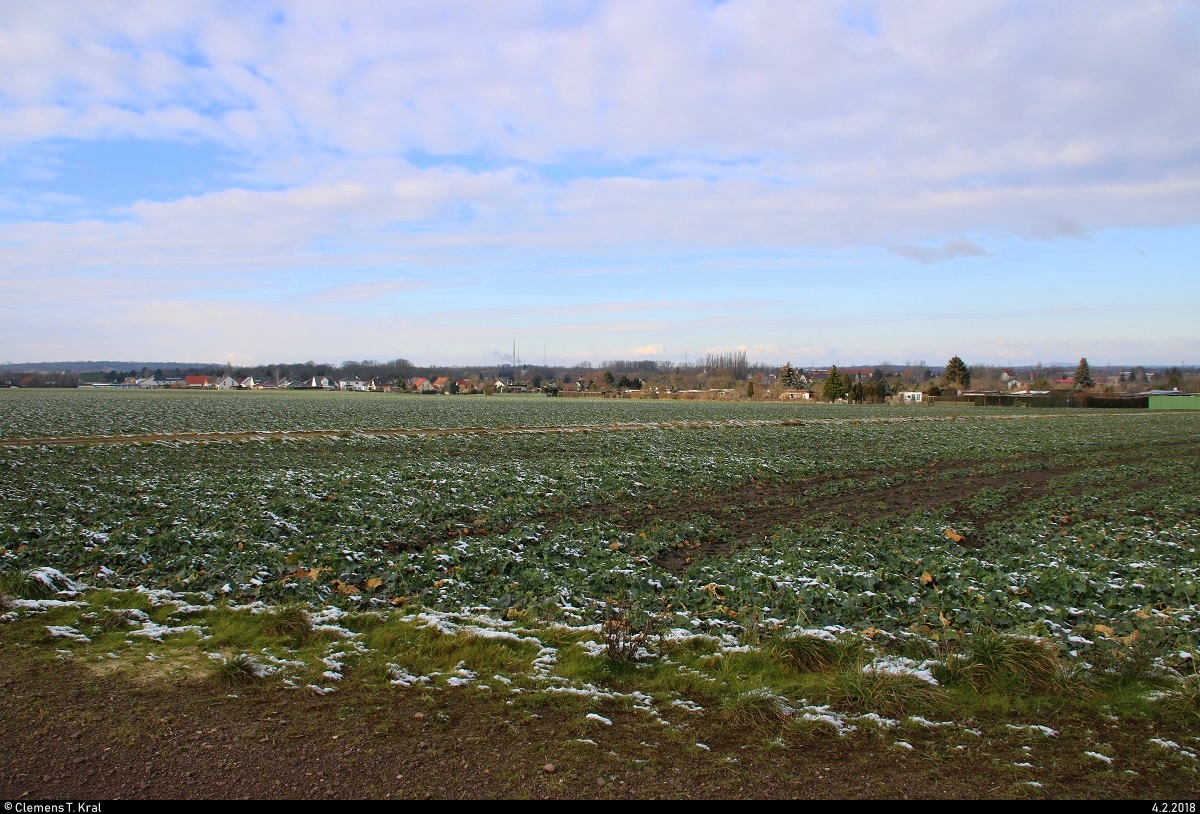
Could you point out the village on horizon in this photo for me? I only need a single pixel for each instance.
(716, 376)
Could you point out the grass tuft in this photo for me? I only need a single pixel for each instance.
(809, 654)
(1183, 699)
(1007, 663)
(886, 693)
(35, 583)
(756, 708)
(289, 622)
(241, 671)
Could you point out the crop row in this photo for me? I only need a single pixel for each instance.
(538, 525)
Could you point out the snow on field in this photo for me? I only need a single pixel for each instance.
(155, 632)
(524, 538)
(67, 632)
(898, 665)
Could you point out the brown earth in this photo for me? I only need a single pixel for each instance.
(70, 734)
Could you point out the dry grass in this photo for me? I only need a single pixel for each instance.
(1184, 699)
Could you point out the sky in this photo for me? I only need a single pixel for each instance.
(816, 182)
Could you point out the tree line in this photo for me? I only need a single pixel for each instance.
(714, 371)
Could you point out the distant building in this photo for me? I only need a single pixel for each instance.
(1173, 400)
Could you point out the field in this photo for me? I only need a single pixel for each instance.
(779, 576)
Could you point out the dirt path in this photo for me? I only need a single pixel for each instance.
(71, 735)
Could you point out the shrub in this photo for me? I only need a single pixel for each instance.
(627, 630)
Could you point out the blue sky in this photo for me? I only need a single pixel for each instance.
(814, 182)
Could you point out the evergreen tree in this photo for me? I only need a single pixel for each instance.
(832, 391)
(787, 376)
(1083, 376)
(957, 373)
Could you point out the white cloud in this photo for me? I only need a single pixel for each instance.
(646, 350)
(460, 140)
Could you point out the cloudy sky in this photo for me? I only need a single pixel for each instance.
(1010, 182)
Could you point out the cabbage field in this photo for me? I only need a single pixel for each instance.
(738, 520)
(88, 412)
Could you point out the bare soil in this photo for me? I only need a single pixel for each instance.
(70, 734)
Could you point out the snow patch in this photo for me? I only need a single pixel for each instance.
(898, 665)
(67, 632)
